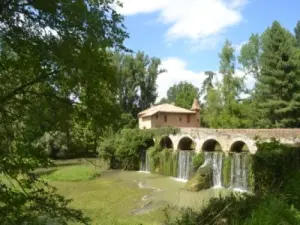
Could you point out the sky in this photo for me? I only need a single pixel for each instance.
(187, 35)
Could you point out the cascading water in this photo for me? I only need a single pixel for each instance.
(184, 165)
(145, 167)
(239, 172)
(216, 161)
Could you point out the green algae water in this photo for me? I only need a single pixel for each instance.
(162, 190)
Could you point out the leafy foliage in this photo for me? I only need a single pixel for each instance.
(272, 165)
(240, 209)
(183, 94)
(137, 75)
(56, 76)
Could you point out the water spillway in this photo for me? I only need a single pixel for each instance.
(226, 171)
(239, 172)
(215, 159)
(145, 166)
(217, 163)
(184, 165)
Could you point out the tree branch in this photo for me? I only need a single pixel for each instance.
(21, 88)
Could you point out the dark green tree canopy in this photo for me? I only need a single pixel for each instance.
(278, 85)
(183, 94)
(137, 75)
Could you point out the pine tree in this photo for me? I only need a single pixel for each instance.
(297, 33)
(278, 88)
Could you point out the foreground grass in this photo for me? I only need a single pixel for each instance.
(106, 200)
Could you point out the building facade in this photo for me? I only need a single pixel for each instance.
(169, 115)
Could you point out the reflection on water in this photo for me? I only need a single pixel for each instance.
(163, 190)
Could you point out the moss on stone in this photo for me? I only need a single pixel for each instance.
(198, 160)
(201, 179)
(226, 171)
(251, 176)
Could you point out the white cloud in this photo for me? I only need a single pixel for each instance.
(177, 71)
(192, 19)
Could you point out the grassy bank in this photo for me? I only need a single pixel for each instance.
(103, 198)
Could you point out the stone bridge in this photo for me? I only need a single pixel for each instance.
(227, 140)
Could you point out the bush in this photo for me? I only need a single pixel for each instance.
(273, 210)
(272, 164)
(240, 210)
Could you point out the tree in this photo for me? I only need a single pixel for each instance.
(212, 108)
(297, 33)
(250, 56)
(278, 84)
(231, 88)
(207, 83)
(183, 94)
(54, 67)
(137, 75)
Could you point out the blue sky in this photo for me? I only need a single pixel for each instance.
(188, 34)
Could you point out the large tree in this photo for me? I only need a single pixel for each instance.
(278, 88)
(297, 33)
(183, 94)
(54, 66)
(231, 87)
(137, 75)
(250, 56)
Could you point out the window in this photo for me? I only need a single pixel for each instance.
(166, 118)
(188, 119)
(156, 116)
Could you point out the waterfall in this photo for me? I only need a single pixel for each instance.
(145, 167)
(184, 165)
(217, 163)
(207, 158)
(239, 172)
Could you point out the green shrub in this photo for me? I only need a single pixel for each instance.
(198, 160)
(273, 210)
(227, 210)
(240, 210)
(272, 163)
(291, 189)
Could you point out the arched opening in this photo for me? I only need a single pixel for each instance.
(166, 142)
(186, 143)
(211, 145)
(239, 146)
